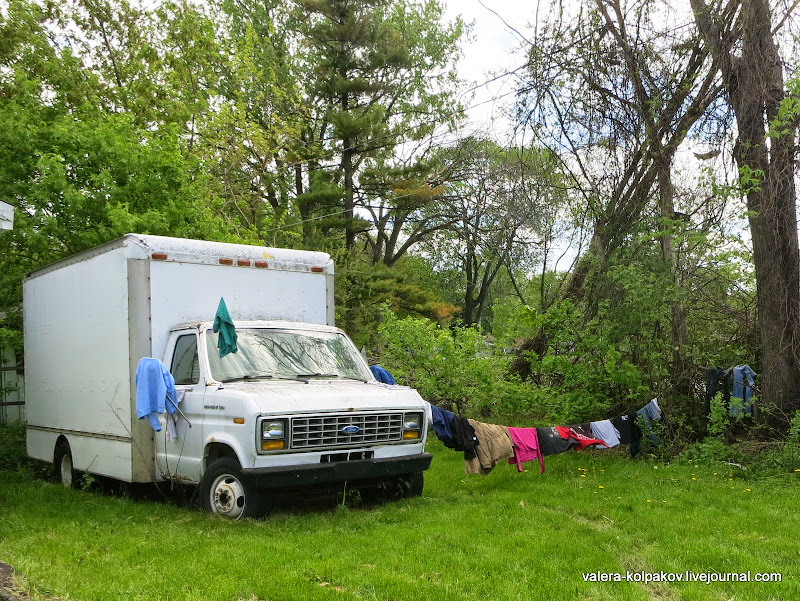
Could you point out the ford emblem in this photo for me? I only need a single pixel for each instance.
(351, 429)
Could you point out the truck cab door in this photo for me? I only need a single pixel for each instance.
(180, 457)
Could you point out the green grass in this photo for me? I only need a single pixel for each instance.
(505, 536)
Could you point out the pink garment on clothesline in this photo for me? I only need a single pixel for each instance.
(526, 447)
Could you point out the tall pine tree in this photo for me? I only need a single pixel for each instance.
(380, 72)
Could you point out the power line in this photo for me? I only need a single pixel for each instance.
(333, 152)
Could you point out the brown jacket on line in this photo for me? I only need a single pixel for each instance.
(495, 446)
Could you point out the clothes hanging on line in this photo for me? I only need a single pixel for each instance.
(743, 382)
(717, 380)
(454, 431)
(584, 429)
(629, 430)
(485, 445)
(551, 443)
(605, 431)
(526, 447)
(494, 447)
(651, 410)
(583, 440)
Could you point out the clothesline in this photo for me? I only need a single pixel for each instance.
(486, 445)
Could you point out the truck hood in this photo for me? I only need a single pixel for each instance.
(282, 396)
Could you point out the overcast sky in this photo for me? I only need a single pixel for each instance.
(490, 51)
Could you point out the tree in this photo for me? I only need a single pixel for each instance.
(613, 90)
(77, 172)
(251, 140)
(381, 73)
(496, 201)
(741, 38)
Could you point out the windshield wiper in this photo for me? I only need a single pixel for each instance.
(249, 377)
(316, 375)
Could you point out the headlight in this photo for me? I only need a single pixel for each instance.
(272, 430)
(412, 426)
(273, 433)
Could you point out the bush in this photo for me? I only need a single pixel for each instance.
(451, 367)
(13, 454)
(582, 375)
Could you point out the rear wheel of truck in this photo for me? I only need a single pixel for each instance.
(62, 462)
(224, 491)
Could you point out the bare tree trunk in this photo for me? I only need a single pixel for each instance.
(679, 375)
(471, 270)
(347, 150)
(754, 80)
(304, 205)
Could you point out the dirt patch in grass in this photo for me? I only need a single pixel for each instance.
(10, 591)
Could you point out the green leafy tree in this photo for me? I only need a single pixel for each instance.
(497, 206)
(380, 73)
(77, 172)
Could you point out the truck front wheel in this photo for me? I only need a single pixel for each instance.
(404, 486)
(225, 492)
(412, 484)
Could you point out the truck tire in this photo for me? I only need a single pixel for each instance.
(412, 484)
(62, 465)
(224, 491)
(404, 486)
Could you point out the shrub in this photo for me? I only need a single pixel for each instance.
(450, 367)
(582, 375)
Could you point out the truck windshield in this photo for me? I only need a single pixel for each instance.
(295, 354)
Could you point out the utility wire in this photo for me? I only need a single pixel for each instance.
(333, 152)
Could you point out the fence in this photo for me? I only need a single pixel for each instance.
(12, 388)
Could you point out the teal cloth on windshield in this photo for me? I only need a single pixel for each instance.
(223, 324)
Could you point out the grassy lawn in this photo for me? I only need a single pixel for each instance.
(505, 536)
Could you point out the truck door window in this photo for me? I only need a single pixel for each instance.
(185, 362)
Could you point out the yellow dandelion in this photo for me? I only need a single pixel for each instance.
(694, 478)
(601, 487)
(583, 475)
(649, 501)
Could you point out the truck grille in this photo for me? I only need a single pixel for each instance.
(338, 430)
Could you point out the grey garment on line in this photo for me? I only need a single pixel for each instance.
(605, 431)
(652, 410)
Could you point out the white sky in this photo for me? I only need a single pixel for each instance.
(489, 51)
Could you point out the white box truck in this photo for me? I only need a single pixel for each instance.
(297, 404)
